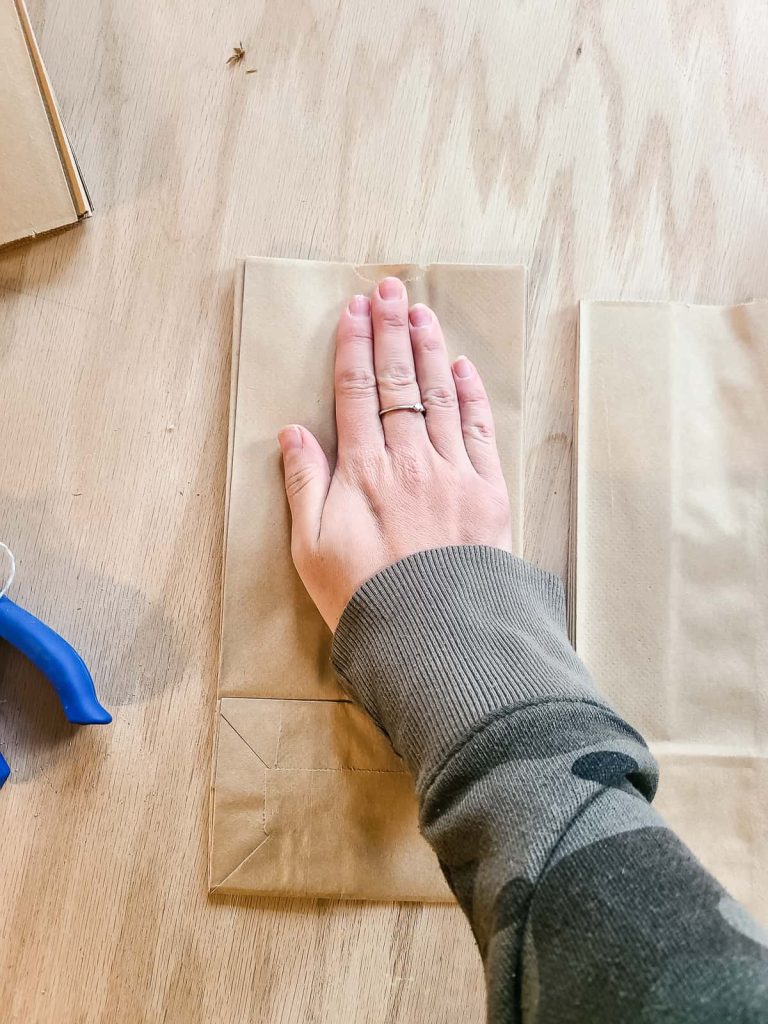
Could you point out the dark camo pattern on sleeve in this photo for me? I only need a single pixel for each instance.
(536, 798)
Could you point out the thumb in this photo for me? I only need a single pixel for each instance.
(307, 478)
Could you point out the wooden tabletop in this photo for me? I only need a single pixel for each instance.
(619, 150)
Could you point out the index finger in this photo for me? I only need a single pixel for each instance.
(357, 397)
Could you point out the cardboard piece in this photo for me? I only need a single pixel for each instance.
(41, 189)
(308, 797)
(671, 560)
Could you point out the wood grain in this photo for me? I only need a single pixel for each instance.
(619, 150)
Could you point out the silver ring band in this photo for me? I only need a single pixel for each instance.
(413, 407)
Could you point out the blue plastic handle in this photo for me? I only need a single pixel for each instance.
(57, 660)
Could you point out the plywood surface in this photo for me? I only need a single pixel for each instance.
(618, 150)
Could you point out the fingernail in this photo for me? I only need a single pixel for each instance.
(420, 316)
(390, 288)
(290, 439)
(462, 367)
(360, 306)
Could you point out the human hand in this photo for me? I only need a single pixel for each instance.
(403, 482)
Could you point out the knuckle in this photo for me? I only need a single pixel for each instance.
(393, 319)
(479, 430)
(440, 396)
(355, 335)
(356, 382)
(474, 400)
(429, 340)
(399, 377)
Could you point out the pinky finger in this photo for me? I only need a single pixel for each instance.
(476, 420)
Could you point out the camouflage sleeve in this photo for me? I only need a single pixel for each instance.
(536, 797)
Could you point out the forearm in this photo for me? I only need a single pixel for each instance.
(535, 796)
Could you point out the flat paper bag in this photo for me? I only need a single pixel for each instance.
(672, 560)
(308, 796)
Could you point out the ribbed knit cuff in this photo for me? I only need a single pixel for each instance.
(441, 640)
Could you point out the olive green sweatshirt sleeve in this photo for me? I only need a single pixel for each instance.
(536, 797)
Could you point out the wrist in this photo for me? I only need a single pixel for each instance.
(444, 638)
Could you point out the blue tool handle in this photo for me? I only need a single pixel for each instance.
(57, 660)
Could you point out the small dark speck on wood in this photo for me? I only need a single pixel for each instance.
(237, 54)
(251, 71)
(578, 50)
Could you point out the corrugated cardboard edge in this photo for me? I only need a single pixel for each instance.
(16, 243)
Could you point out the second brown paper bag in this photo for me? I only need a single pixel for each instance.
(672, 560)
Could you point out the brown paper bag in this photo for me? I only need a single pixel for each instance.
(671, 560)
(308, 796)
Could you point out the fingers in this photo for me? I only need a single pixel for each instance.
(436, 384)
(476, 420)
(393, 361)
(386, 357)
(307, 478)
(357, 398)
